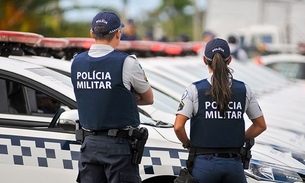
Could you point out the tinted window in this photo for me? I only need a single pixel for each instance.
(20, 99)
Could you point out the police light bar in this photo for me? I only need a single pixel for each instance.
(194, 46)
(173, 49)
(190, 47)
(54, 43)
(80, 42)
(20, 37)
(124, 45)
(157, 47)
(147, 46)
(197, 47)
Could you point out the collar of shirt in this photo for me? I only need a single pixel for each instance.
(209, 77)
(99, 50)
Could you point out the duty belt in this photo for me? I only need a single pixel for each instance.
(200, 150)
(223, 155)
(110, 132)
(219, 152)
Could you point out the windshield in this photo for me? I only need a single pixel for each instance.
(165, 102)
(169, 83)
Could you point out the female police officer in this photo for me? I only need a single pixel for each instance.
(215, 107)
(104, 82)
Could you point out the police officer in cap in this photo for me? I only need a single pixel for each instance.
(236, 51)
(215, 106)
(108, 86)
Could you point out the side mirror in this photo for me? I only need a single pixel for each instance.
(67, 120)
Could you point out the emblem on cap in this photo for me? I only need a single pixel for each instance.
(101, 21)
(218, 49)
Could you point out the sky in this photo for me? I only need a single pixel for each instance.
(134, 7)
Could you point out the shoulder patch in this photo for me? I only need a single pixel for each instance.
(185, 93)
(181, 105)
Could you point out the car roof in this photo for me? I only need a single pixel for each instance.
(57, 64)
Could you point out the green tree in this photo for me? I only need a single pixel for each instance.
(30, 15)
(176, 18)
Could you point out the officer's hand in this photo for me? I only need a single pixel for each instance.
(138, 97)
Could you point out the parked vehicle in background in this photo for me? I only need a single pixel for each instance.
(266, 26)
(290, 65)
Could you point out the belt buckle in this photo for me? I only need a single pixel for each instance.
(113, 132)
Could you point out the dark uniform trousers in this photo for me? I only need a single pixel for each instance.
(213, 169)
(105, 159)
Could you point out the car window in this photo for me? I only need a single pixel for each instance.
(20, 99)
(289, 69)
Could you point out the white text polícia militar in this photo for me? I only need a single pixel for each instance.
(93, 80)
(212, 113)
